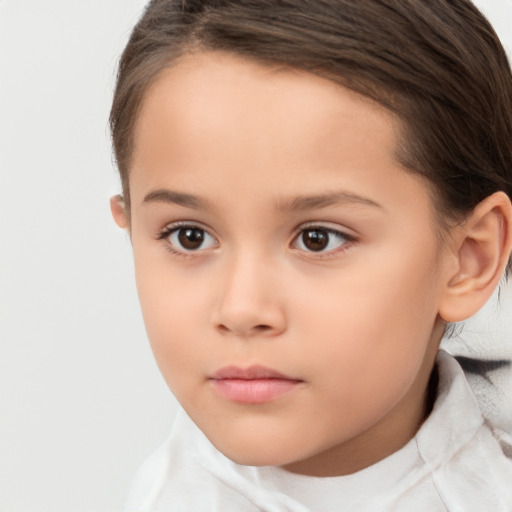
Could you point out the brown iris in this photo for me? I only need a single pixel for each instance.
(191, 238)
(315, 239)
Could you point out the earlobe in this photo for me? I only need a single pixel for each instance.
(482, 245)
(118, 209)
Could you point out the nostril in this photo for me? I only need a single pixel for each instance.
(261, 328)
(256, 329)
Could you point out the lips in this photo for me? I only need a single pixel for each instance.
(253, 385)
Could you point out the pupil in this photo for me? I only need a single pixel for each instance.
(315, 239)
(191, 238)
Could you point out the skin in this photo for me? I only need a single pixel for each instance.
(242, 146)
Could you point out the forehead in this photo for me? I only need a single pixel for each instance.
(260, 127)
(214, 94)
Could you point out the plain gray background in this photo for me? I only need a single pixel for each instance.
(81, 400)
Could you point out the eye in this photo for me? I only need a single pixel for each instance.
(188, 238)
(321, 239)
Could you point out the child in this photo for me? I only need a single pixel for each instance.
(315, 191)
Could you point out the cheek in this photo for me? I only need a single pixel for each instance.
(174, 311)
(370, 328)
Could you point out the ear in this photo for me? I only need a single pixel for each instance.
(118, 209)
(482, 246)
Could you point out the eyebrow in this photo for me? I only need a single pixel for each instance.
(301, 203)
(179, 198)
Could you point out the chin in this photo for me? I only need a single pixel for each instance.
(259, 452)
(254, 459)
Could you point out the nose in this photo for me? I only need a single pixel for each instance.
(250, 300)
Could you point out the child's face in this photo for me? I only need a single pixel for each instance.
(272, 227)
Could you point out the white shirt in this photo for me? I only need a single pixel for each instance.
(457, 462)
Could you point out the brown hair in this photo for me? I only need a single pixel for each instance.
(438, 65)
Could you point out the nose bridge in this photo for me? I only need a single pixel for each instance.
(249, 301)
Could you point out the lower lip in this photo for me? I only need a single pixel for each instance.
(253, 391)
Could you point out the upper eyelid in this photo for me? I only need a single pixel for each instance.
(326, 226)
(335, 232)
(173, 226)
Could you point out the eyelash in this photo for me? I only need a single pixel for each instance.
(320, 254)
(331, 232)
(174, 228)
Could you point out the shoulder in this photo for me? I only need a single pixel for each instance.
(178, 476)
(469, 459)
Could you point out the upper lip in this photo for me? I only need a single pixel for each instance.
(249, 373)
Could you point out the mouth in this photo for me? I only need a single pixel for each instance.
(253, 385)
